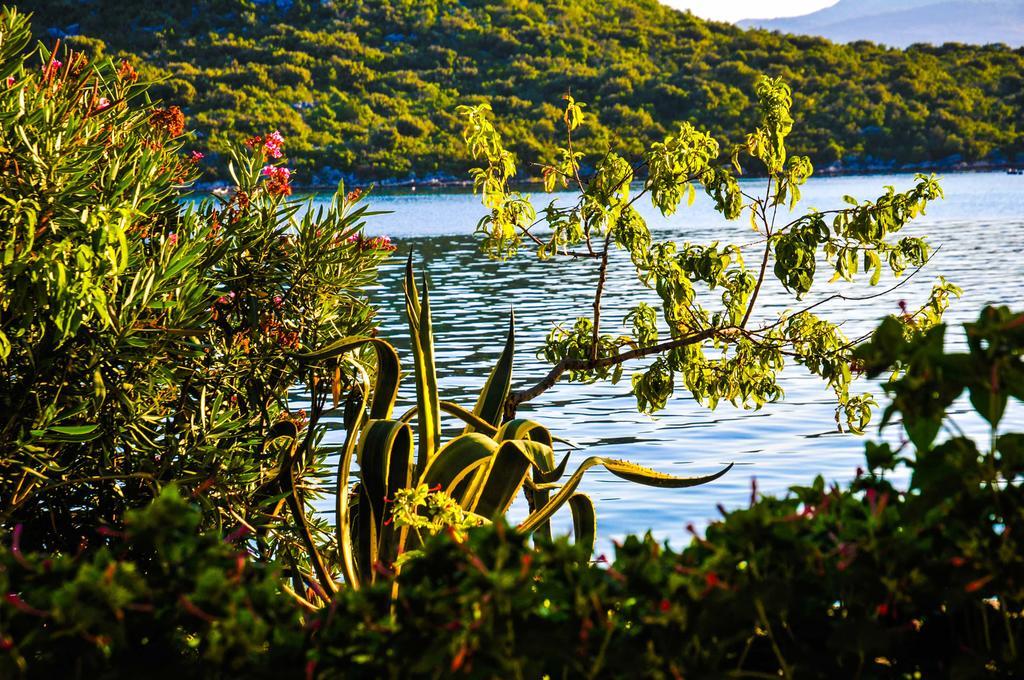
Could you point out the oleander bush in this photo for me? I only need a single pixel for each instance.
(143, 343)
(874, 579)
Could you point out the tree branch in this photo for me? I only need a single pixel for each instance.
(757, 287)
(556, 372)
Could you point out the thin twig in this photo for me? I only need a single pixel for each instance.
(601, 277)
(764, 261)
(858, 298)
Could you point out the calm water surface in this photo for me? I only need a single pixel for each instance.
(980, 227)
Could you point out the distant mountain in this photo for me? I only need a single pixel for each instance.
(900, 23)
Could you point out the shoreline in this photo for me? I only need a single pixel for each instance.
(442, 181)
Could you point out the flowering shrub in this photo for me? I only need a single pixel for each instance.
(148, 337)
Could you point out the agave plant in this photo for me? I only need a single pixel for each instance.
(483, 469)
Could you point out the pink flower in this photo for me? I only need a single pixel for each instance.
(197, 156)
(226, 299)
(51, 69)
(273, 143)
(278, 300)
(172, 239)
(277, 180)
(382, 243)
(274, 171)
(102, 103)
(10, 81)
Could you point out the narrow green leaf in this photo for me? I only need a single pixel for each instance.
(427, 398)
(501, 481)
(490, 406)
(584, 521)
(70, 434)
(619, 468)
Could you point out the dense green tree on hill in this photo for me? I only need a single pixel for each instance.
(369, 87)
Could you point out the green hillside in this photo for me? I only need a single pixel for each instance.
(369, 87)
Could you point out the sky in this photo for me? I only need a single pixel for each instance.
(734, 10)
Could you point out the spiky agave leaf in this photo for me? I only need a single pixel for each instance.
(619, 468)
(285, 480)
(421, 336)
(385, 394)
(490, 405)
(537, 487)
(584, 521)
(451, 408)
(500, 481)
(454, 464)
(483, 469)
(385, 454)
(385, 391)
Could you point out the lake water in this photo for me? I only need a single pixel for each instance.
(980, 227)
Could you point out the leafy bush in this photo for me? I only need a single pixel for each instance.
(141, 344)
(161, 597)
(869, 580)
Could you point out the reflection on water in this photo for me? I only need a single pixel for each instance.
(980, 229)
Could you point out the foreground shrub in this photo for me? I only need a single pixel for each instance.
(868, 580)
(161, 597)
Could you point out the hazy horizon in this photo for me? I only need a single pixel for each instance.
(749, 9)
